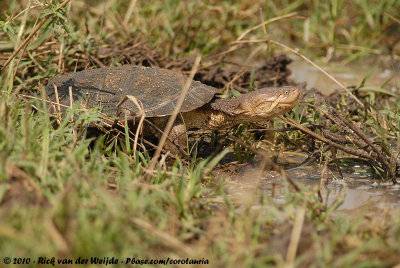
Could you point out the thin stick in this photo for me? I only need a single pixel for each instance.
(23, 11)
(323, 139)
(31, 35)
(174, 114)
(364, 137)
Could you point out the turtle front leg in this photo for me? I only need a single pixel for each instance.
(177, 142)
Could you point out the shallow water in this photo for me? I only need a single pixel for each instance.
(357, 193)
(348, 75)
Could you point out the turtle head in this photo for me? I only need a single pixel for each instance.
(269, 102)
(261, 104)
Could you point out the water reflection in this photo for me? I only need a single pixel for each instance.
(356, 192)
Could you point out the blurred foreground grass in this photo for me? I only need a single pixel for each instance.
(62, 197)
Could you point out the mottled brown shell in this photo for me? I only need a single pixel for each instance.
(157, 89)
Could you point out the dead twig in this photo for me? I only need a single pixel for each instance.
(351, 151)
(323, 139)
(336, 117)
(361, 134)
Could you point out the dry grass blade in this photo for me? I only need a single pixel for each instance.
(71, 100)
(265, 23)
(60, 58)
(57, 98)
(150, 124)
(129, 12)
(71, 104)
(56, 236)
(392, 17)
(141, 113)
(32, 34)
(295, 237)
(57, 108)
(23, 24)
(35, 61)
(174, 113)
(166, 238)
(27, 132)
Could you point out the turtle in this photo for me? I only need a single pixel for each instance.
(158, 90)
